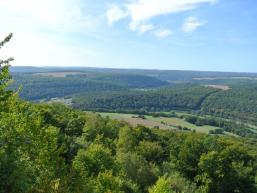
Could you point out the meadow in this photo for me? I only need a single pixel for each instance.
(170, 123)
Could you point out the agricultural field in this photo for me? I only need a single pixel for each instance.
(161, 122)
(58, 74)
(221, 87)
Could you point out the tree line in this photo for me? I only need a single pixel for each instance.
(228, 126)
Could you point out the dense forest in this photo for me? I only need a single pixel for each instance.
(239, 102)
(39, 86)
(36, 88)
(52, 148)
(164, 99)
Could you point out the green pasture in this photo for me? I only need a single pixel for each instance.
(162, 122)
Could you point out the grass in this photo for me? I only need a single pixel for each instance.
(66, 101)
(161, 122)
(137, 121)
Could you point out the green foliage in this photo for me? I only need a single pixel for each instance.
(131, 80)
(36, 88)
(217, 131)
(238, 103)
(138, 169)
(151, 151)
(4, 76)
(162, 185)
(225, 171)
(106, 183)
(173, 183)
(127, 140)
(109, 156)
(230, 126)
(189, 155)
(40, 86)
(93, 160)
(29, 153)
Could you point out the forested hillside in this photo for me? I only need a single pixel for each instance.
(54, 149)
(164, 99)
(43, 86)
(239, 102)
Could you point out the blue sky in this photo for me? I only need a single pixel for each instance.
(216, 35)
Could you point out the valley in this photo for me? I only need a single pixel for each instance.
(125, 94)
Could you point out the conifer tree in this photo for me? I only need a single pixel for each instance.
(4, 73)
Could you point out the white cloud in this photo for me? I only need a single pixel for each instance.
(163, 33)
(191, 24)
(141, 28)
(115, 13)
(145, 28)
(141, 11)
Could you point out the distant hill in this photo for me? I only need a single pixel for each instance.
(165, 75)
(38, 85)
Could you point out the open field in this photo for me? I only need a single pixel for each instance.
(221, 87)
(66, 101)
(58, 74)
(161, 122)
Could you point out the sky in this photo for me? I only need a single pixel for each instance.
(207, 35)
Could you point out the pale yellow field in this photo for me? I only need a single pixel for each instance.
(58, 74)
(221, 87)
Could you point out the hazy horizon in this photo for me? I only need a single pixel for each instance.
(117, 68)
